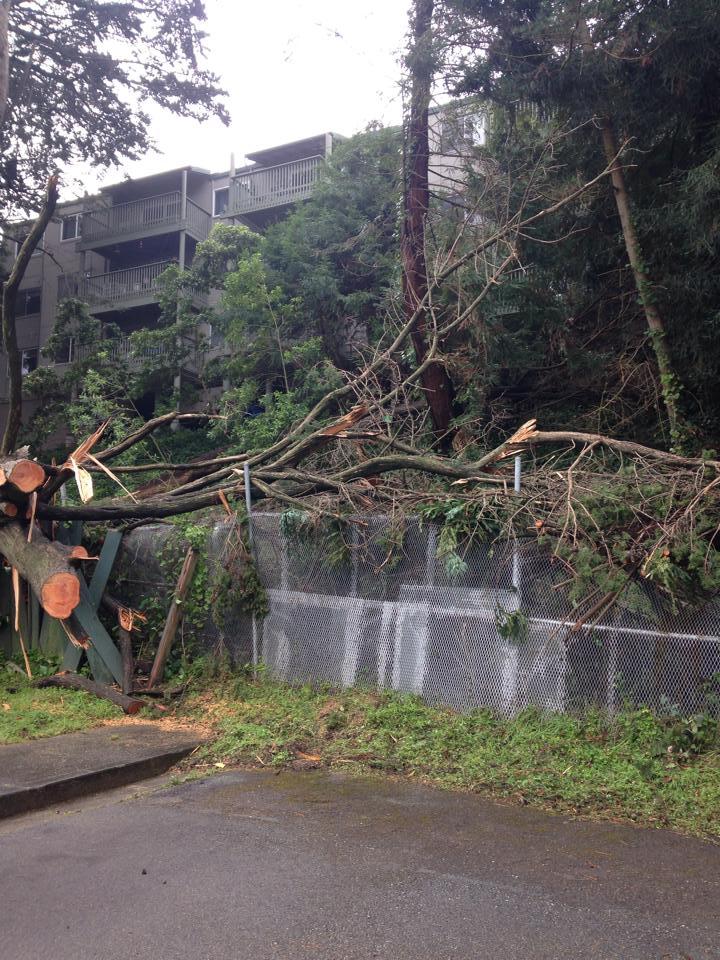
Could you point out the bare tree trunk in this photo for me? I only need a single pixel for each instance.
(669, 383)
(4, 58)
(9, 301)
(435, 381)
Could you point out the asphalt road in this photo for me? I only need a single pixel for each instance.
(305, 865)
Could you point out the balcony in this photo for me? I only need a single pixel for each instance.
(504, 303)
(121, 289)
(143, 218)
(122, 349)
(269, 187)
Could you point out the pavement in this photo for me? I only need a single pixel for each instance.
(265, 865)
(40, 773)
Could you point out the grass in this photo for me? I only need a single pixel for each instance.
(27, 713)
(637, 768)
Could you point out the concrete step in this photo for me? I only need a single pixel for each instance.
(40, 773)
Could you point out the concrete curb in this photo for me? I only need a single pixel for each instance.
(83, 775)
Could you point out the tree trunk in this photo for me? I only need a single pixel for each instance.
(4, 58)
(669, 383)
(45, 569)
(73, 681)
(25, 475)
(434, 380)
(9, 301)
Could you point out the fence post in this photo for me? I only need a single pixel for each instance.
(516, 554)
(251, 541)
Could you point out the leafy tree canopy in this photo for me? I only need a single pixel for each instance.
(81, 73)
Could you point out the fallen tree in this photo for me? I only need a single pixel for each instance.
(358, 449)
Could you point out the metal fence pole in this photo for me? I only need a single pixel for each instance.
(516, 554)
(251, 539)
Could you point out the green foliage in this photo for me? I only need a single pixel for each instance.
(253, 424)
(27, 713)
(122, 57)
(462, 523)
(326, 533)
(218, 590)
(574, 346)
(513, 625)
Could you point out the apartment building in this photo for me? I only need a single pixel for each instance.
(110, 249)
(455, 132)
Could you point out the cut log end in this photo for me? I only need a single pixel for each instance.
(60, 595)
(27, 475)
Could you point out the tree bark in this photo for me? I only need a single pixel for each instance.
(435, 381)
(128, 664)
(121, 610)
(45, 569)
(4, 59)
(73, 681)
(9, 303)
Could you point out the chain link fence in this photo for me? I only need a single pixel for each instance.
(375, 606)
(372, 604)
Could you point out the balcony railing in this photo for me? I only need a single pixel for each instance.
(104, 224)
(121, 349)
(505, 303)
(274, 186)
(122, 288)
(119, 286)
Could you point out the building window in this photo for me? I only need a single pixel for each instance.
(472, 129)
(28, 302)
(20, 240)
(70, 227)
(221, 201)
(461, 132)
(28, 360)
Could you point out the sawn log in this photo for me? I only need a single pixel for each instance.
(47, 571)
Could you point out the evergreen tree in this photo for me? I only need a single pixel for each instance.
(643, 74)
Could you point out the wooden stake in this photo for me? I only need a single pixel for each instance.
(127, 659)
(16, 592)
(175, 615)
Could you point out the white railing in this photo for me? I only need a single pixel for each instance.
(505, 304)
(120, 349)
(139, 216)
(121, 285)
(274, 186)
(198, 220)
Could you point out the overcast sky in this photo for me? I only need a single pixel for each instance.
(292, 68)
